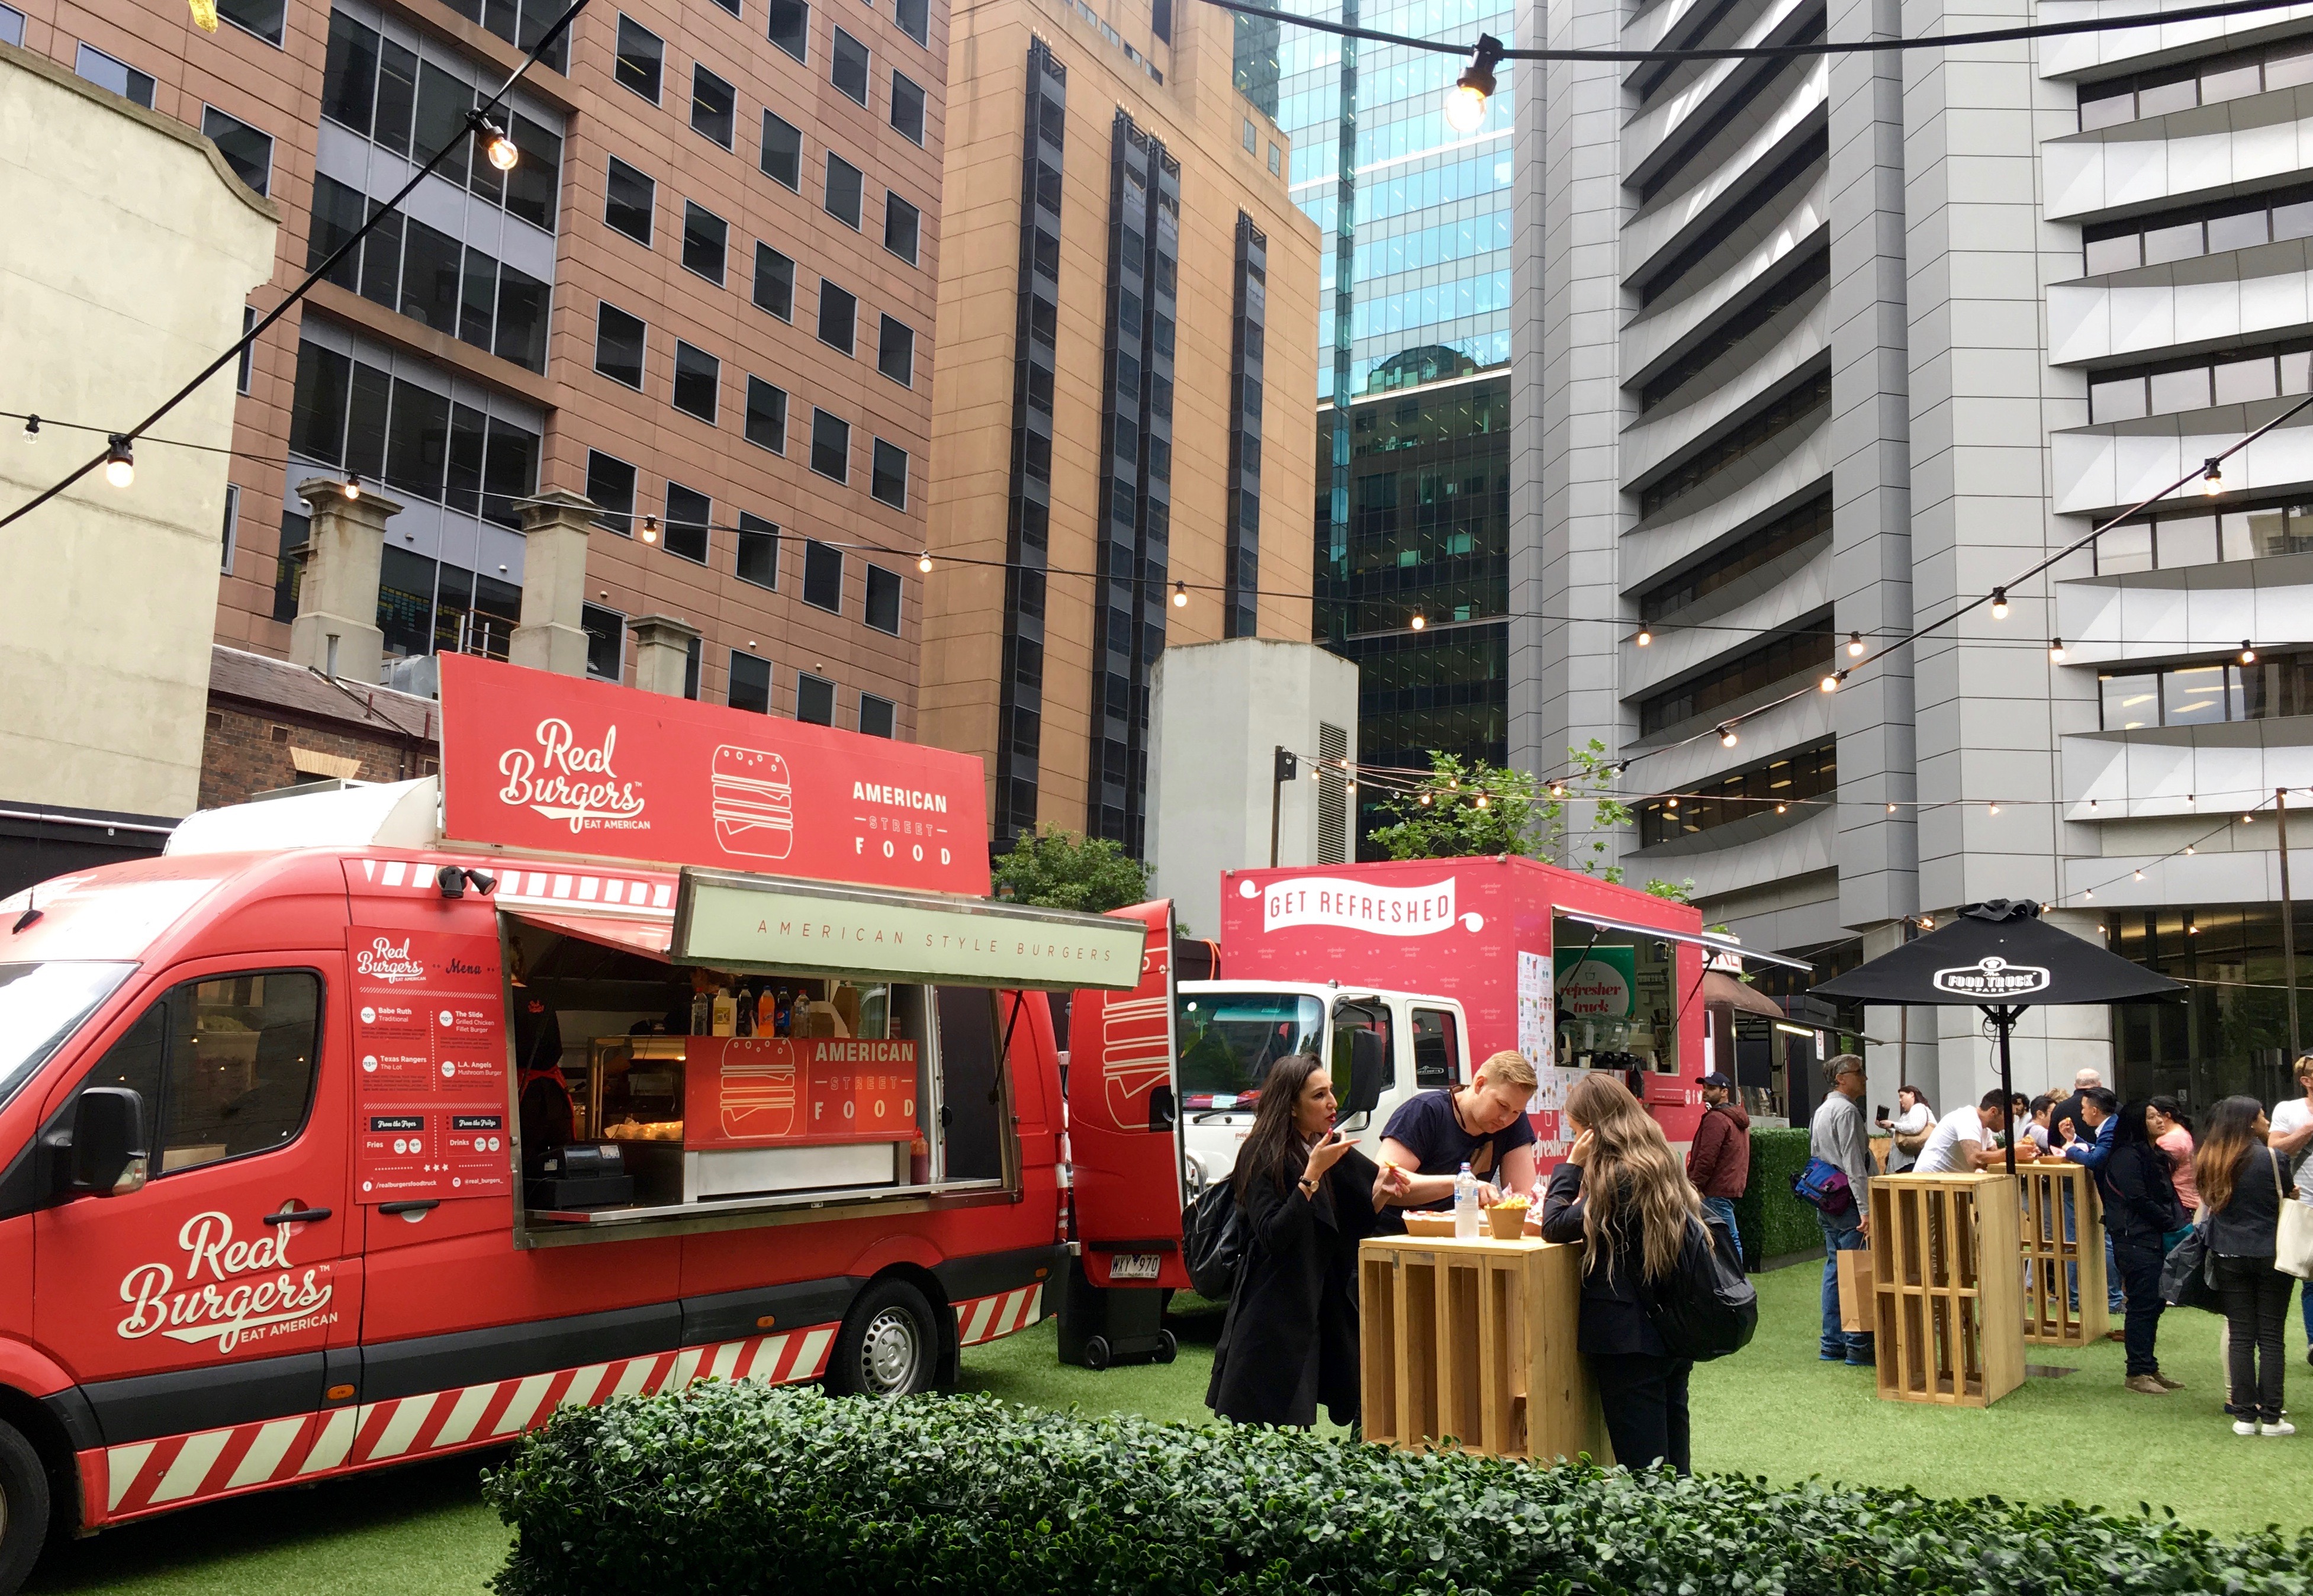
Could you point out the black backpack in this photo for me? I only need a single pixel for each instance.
(1213, 1240)
(1705, 1308)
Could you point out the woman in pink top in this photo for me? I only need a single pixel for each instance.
(2165, 1119)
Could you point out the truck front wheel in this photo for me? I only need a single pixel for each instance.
(889, 1346)
(23, 1508)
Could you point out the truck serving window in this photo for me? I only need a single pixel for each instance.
(42, 1004)
(1228, 1041)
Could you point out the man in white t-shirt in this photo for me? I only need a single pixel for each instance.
(1962, 1141)
(2292, 1128)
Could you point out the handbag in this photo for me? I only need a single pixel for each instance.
(1705, 1307)
(2292, 1235)
(2188, 1274)
(1213, 1240)
(1823, 1184)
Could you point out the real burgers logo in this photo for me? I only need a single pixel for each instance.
(386, 960)
(565, 779)
(233, 1290)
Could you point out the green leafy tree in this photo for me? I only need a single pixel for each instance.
(1056, 869)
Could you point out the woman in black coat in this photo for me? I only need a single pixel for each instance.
(2241, 1181)
(2140, 1210)
(1306, 1198)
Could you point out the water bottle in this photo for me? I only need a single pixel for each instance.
(1465, 1206)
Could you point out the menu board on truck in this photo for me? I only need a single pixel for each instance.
(778, 1091)
(430, 1065)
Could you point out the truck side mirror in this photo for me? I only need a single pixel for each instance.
(107, 1156)
(1369, 1051)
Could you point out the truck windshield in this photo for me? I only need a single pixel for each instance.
(42, 1004)
(1228, 1041)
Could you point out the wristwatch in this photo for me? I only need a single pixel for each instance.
(1308, 1189)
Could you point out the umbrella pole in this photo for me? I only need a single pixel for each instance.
(2004, 1017)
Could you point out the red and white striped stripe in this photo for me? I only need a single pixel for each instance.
(983, 1319)
(151, 1475)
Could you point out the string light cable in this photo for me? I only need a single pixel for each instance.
(495, 147)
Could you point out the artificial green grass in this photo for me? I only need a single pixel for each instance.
(1771, 1410)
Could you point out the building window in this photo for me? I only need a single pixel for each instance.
(774, 283)
(822, 576)
(791, 26)
(890, 482)
(751, 682)
(714, 107)
(642, 57)
(260, 17)
(1276, 161)
(705, 237)
(429, 276)
(883, 599)
(427, 605)
(758, 551)
(915, 18)
(767, 416)
(845, 188)
(449, 449)
(691, 668)
(1764, 791)
(1250, 138)
(2277, 685)
(247, 349)
(520, 26)
(1241, 559)
(878, 717)
(814, 699)
(902, 223)
(2209, 80)
(831, 445)
(619, 345)
(247, 151)
(606, 642)
(908, 108)
(1802, 650)
(118, 77)
(782, 156)
(848, 69)
(895, 352)
(232, 526)
(610, 484)
(11, 26)
(730, 5)
(629, 199)
(1794, 528)
(839, 316)
(698, 375)
(1794, 407)
(288, 568)
(2254, 531)
(689, 515)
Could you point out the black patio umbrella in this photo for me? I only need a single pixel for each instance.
(1996, 955)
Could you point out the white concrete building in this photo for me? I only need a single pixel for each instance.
(1818, 348)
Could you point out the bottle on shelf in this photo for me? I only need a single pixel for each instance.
(767, 1012)
(920, 1158)
(702, 1013)
(784, 1018)
(744, 1016)
(726, 1012)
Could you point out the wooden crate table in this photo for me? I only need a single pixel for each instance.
(2051, 1187)
(1950, 1330)
(1475, 1340)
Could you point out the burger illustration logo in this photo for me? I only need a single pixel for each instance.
(754, 803)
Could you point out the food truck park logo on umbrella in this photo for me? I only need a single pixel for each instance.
(1992, 977)
(1359, 906)
(565, 780)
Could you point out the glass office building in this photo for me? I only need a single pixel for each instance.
(1412, 408)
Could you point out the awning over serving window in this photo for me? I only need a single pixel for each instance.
(633, 936)
(1704, 940)
(775, 924)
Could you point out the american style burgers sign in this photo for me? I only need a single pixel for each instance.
(533, 759)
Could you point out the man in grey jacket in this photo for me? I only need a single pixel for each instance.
(1836, 1136)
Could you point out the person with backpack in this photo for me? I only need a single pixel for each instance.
(1836, 1139)
(1719, 1161)
(1621, 1195)
(2242, 1183)
(2140, 1212)
(1306, 1196)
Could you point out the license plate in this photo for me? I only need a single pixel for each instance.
(1133, 1266)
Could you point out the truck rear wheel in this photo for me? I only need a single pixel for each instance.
(889, 1346)
(23, 1508)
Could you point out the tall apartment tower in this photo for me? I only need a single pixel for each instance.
(1413, 379)
(1816, 350)
(1128, 299)
(704, 298)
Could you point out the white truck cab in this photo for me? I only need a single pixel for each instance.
(1230, 1032)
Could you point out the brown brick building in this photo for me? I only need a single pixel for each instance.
(1127, 288)
(705, 296)
(273, 724)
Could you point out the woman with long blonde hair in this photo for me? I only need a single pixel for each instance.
(1622, 1195)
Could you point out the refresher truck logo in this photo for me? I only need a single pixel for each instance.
(234, 1290)
(565, 780)
(1359, 906)
(384, 959)
(1990, 977)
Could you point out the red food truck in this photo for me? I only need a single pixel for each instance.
(373, 1124)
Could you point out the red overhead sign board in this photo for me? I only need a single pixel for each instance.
(533, 759)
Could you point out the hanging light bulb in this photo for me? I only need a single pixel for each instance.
(2188, 850)
(1855, 646)
(1995, 808)
(2056, 650)
(119, 461)
(1557, 789)
(2248, 820)
(2213, 480)
(351, 488)
(1481, 801)
(1466, 101)
(1927, 922)
(1830, 684)
(650, 529)
(31, 426)
(1780, 808)
(2248, 653)
(2000, 604)
(2140, 875)
(924, 562)
(1425, 800)
(2087, 891)
(1180, 595)
(1891, 809)
(1727, 738)
(495, 144)
(1645, 637)
(1419, 620)
(1672, 804)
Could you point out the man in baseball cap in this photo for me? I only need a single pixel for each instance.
(1719, 1161)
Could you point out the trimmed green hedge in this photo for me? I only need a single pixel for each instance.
(1773, 1221)
(745, 1488)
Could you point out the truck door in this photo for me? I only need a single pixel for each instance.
(1123, 1120)
(199, 1311)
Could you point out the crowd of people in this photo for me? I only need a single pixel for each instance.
(2156, 1186)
